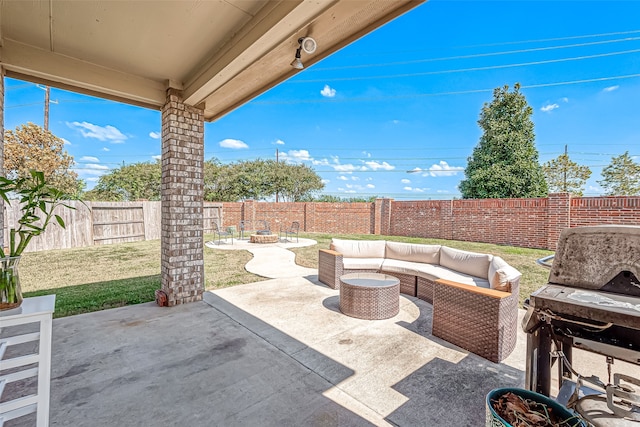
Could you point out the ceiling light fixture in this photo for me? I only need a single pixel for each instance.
(309, 46)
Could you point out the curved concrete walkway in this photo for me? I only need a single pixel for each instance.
(271, 260)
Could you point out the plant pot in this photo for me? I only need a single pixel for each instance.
(10, 290)
(495, 420)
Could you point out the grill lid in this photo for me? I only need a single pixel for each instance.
(605, 258)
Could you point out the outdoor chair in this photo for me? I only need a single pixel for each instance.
(291, 231)
(245, 226)
(262, 227)
(221, 234)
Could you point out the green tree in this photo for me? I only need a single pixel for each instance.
(565, 176)
(621, 177)
(294, 183)
(30, 147)
(137, 181)
(505, 164)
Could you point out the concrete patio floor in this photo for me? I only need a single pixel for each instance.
(276, 352)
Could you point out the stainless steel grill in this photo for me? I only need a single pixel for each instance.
(592, 302)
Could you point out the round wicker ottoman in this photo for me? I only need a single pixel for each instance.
(369, 296)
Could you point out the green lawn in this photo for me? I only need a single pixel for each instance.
(101, 277)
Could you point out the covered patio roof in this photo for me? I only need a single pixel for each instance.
(218, 53)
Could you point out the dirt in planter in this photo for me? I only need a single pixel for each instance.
(521, 412)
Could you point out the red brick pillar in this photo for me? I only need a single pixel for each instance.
(382, 216)
(182, 255)
(558, 217)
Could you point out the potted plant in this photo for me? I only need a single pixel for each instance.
(38, 201)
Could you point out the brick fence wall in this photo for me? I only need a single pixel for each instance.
(530, 223)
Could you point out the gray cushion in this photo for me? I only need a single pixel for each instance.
(429, 254)
(359, 248)
(471, 263)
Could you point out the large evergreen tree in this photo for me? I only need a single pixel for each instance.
(505, 164)
(563, 175)
(621, 177)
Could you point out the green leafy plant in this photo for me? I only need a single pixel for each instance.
(38, 202)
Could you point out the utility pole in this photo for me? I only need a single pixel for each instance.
(564, 187)
(277, 175)
(47, 92)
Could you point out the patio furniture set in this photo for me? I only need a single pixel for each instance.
(474, 295)
(257, 232)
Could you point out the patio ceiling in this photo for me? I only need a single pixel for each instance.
(220, 53)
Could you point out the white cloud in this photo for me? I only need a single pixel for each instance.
(157, 157)
(395, 122)
(443, 169)
(296, 156)
(549, 107)
(155, 135)
(94, 169)
(366, 154)
(415, 190)
(89, 159)
(105, 149)
(376, 165)
(355, 178)
(442, 191)
(405, 181)
(102, 133)
(234, 144)
(328, 92)
(65, 141)
(279, 142)
(565, 99)
(348, 168)
(92, 179)
(343, 178)
(610, 88)
(326, 181)
(371, 186)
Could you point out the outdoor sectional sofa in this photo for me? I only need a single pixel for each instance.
(474, 295)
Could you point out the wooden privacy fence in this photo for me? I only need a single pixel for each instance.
(101, 223)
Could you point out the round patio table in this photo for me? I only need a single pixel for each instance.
(370, 296)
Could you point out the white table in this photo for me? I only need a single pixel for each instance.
(33, 310)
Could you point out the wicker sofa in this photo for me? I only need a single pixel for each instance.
(474, 295)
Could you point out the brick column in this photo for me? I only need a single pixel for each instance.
(182, 201)
(382, 216)
(2, 150)
(558, 217)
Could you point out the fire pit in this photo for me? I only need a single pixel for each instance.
(263, 238)
(592, 302)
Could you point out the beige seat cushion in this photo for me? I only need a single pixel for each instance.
(429, 254)
(501, 274)
(362, 263)
(431, 272)
(471, 263)
(359, 248)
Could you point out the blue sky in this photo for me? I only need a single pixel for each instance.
(406, 97)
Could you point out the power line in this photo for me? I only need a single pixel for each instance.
(464, 70)
(422, 95)
(477, 55)
(554, 39)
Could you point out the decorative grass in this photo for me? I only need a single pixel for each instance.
(101, 277)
